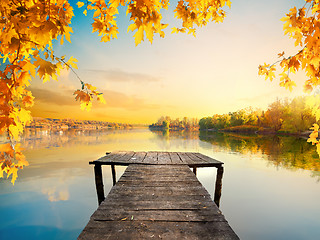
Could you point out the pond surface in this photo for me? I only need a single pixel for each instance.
(271, 185)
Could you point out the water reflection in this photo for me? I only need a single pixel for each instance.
(183, 134)
(55, 195)
(35, 138)
(282, 151)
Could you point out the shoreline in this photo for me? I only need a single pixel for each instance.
(304, 134)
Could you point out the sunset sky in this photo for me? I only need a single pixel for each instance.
(180, 75)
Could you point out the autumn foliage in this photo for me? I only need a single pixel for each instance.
(29, 29)
(303, 26)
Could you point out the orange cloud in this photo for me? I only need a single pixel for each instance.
(114, 99)
(121, 100)
(54, 97)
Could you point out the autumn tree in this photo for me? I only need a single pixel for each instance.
(298, 116)
(206, 123)
(275, 115)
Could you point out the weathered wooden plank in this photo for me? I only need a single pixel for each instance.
(110, 158)
(107, 158)
(128, 229)
(159, 192)
(207, 159)
(160, 178)
(179, 215)
(156, 168)
(162, 198)
(189, 188)
(194, 158)
(156, 205)
(189, 158)
(124, 158)
(164, 158)
(161, 174)
(175, 159)
(138, 157)
(185, 158)
(169, 173)
(177, 183)
(151, 158)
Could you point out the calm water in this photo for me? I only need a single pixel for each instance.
(271, 185)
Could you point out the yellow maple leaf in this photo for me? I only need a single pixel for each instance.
(7, 148)
(90, 87)
(14, 171)
(72, 62)
(149, 32)
(280, 54)
(138, 36)
(132, 27)
(174, 30)
(86, 106)
(228, 3)
(46, 68)
(82, 96)
(101, 99)
(28, 100)
(80, 4)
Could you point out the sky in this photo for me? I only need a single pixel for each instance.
(180, 75)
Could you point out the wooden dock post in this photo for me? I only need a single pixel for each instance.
(195, 171)
(114, 178)
(99, 182)
(217, 193)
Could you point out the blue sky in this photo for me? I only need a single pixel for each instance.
(180, 75)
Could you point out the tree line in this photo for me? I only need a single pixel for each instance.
(166, 122)
(293, 116)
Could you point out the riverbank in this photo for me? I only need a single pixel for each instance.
(160, 128)
(248, 129)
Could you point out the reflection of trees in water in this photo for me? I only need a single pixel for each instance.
(37, 138)
(168, 139)
(183, 134)
(283, 151)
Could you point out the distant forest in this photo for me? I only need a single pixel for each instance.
(165, 123)
(282, 116)
(289, 116)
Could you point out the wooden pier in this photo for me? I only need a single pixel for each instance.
(157, 197)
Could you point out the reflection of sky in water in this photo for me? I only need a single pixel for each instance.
(54, 197)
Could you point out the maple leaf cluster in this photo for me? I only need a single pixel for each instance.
(146, 16)
(86, 94)
(199, 13)
(303, 26)
(28, 29)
